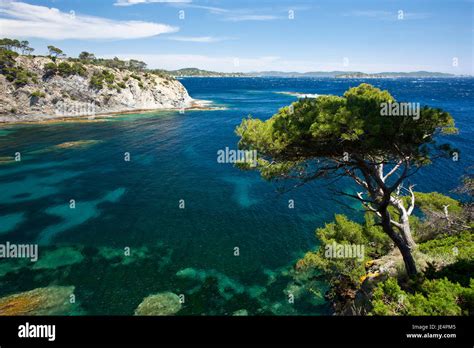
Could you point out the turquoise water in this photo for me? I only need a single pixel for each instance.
(136, 204)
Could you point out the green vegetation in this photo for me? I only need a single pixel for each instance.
(10, 49)
(445, 286)
(332, 137)
(16, 45)
(443, 246)
(12, 72)
(136, 77)
(99, 78)
(345, 274)
(428, 297)
(37, 94)
(64, 69)
(55, 52)
(86, 57)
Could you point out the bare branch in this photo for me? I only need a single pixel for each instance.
(393, 170)
(412, 203)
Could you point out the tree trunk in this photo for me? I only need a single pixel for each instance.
(406, 231)
(408, 259)
(401, 243)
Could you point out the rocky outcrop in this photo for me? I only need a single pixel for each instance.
(165, 303)
(55, 95)
(52, 300)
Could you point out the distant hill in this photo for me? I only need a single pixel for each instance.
(194, 72)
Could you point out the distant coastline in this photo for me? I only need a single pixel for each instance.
(195, 72)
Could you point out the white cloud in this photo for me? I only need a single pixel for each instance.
(251, 17)
(175, 3)
(212, 9)
(201, 39)
(20, 19)
(387, 15)
(137, 2)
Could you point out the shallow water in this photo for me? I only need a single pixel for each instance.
(135, 204)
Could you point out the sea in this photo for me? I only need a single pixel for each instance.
(134, 205)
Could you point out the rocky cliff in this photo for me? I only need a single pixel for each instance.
(38, 88)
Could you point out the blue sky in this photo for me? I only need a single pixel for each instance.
(244, 35)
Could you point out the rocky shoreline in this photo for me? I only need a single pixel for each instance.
(196, 105)
(63, 90)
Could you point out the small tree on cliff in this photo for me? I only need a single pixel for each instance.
(55, 52)
(333, 137)
(86, 56)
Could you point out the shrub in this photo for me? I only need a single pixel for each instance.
(37, 94)
(99, 78)
(345, 231)
(7, 59)
(431, 297)
(64, 69)
(79, 69)
(136, 77)
(50, 69)
(443, 247)
(435, 201)
(97, 81)
(16, 74)
(121, 85)
(21, 77)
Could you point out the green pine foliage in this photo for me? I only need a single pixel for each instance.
(99, 78)
(64, 69)
(430, 297)
(344, 231)
(13, 73)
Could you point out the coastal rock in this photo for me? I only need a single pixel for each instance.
(241, 313)
(52, 300)
(165, 303)
(56, 96)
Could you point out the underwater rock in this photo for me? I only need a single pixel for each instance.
(228, 287)
(52, 300)
(13, 265)
(64, 256)
(7, 159)
(165, 303)
(76, 144)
